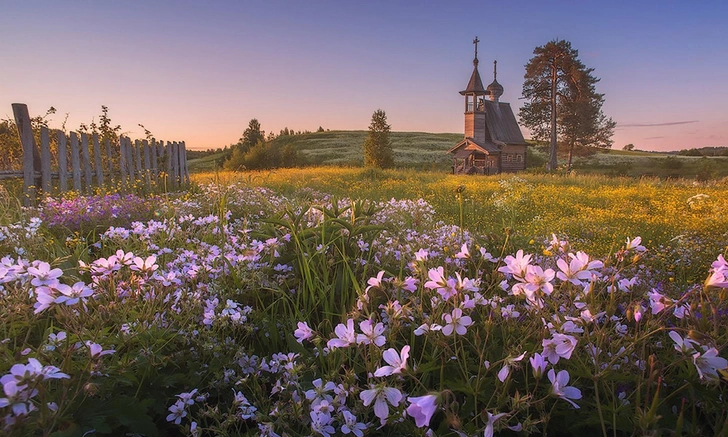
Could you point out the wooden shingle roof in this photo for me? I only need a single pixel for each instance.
(501, 123)
(468, 145)
(475, 85)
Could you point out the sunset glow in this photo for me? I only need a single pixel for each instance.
(199, 72)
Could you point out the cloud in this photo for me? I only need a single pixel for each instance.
(669, 123)
(653, 138)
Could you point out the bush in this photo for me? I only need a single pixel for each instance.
(265, 155)
(672, 163)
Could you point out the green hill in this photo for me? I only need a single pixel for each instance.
(422, 150)
(411, 149)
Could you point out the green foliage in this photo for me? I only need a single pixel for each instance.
(107, 131)
(628, 147)
(323, 245)
(265, 155)
(12, 155)
(254, 152)
(705, 151)
(378, 146)
(534, 158)
(562, 102)
(672, 163)
(251, 136)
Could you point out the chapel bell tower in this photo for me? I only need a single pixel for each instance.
(474, 103)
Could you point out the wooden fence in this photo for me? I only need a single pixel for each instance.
(121, 164)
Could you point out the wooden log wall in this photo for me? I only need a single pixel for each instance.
(124, 164)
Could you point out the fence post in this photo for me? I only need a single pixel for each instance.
(122, 160)
(109, 162)
(138, 152)
(130, 161)
(185, 169)
(86, 161)
(176, 164)
(62, 161)
(75, 164)
(160, 161)
(25, 131)
(181, 164)
(153, 157)
(97, 160)
(168, 158)
(147, 165)
(45, 160)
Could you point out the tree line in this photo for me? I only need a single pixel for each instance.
(255, 151)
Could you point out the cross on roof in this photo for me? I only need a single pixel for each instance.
(476, 41)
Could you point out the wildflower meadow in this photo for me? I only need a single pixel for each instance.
(347, 302)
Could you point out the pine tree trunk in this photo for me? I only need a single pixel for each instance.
(553, 163)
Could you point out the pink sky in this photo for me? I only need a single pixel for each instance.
(199, 72)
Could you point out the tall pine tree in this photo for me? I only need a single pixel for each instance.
(378, 146)
(562, 101)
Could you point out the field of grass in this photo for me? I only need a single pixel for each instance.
(663, 165)
(598, 211)
(323, 300)
(428, 151)
(411, 149)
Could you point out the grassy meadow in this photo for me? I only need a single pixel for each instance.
(350, 301)
(427, 151)
(599, 212)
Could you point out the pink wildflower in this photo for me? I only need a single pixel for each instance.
(381, 396)
(345, 335)
(397, 361)
(372, 334)
(422, 408)
(560, 389)
(455, 321)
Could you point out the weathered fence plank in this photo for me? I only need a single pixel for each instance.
(97, 160)
(22, 121)
(173, 158)
(184, 163)
(137, 151)
(122, 160)
(153, 157)
(176, 163)
(168, 153)
(130, 160)
(45, 160)
(147, 165)
(75, 162)
(180, 162)
(86, 162)
(62, 162)
(109, 161)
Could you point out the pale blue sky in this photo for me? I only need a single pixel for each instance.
(199, 71)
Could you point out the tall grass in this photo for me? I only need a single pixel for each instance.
(598, 210)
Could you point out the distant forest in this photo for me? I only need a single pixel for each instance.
(703, 151)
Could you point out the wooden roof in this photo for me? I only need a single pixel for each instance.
(501, 123)
(475, 85)
(468, 146)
